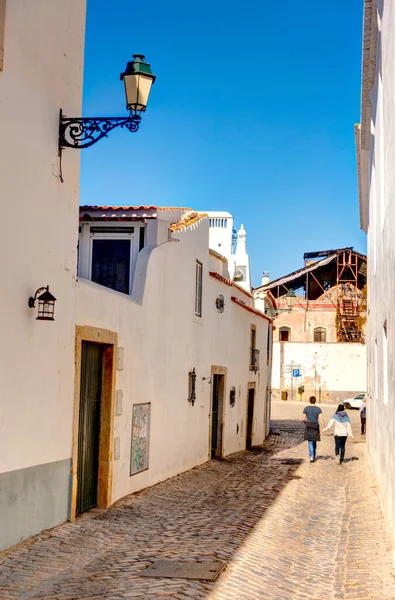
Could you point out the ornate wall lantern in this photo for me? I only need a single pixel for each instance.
(192, 386)
(290, 299)
(46, 304)
(82, 132)
(220, 303)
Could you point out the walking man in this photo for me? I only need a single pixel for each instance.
(312, 420)
(362, 414)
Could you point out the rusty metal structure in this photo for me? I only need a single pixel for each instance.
(333, 276)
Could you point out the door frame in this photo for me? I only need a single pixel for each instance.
(217, 370)
(109, 340)
(251, 385)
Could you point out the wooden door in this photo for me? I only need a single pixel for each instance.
(250, 416)
(89, 426)
(217, 416)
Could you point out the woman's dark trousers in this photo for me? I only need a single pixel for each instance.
(340, 446)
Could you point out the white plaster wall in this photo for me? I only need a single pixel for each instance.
(43, 63)
(381, 259)
(163, 341)
(339, 367)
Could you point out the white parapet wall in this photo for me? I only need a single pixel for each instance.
(330, 371)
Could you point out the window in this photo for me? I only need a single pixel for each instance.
(385, 364)
(284, 334)
(2, 30)
(254, 356)
(111, 264)
(198, 288)
(320, 334)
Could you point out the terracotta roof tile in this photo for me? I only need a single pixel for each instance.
(230, 283)
(103, 207)
(218, 255)
(187, 221)
(251, 309)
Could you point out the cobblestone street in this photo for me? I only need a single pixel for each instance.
(285, 529)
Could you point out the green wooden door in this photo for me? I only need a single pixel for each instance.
(89, 426)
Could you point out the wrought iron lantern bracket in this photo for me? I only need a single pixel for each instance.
(82, 132)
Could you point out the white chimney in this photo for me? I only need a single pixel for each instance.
(265, 278)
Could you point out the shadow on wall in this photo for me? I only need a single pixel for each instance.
(207, 512)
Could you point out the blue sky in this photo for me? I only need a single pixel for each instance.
(252, 112)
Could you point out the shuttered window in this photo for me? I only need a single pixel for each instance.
(320, 334)
(111, 264)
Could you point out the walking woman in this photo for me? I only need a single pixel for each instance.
(342, 424)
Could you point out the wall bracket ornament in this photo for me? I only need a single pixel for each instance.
(82, 132)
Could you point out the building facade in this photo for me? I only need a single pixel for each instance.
(157, 359)
(189, 348)
(375, 151)
(42, 51)
(318, 346)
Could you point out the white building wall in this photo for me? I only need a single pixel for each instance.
(331, 371)
(163, 340)
(381, 259)
(42, 72)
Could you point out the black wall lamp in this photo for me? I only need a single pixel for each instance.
(82, 132)
(192, 386)
(46, 304)
(232, 396)
(220, 303)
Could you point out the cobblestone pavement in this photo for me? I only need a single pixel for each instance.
(285, 528)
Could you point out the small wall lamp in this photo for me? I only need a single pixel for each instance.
(232, 396)
(192, 386)
(220, 303)
(46, 304)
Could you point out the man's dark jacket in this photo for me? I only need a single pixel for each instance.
(312, 432)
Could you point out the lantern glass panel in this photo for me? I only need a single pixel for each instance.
(290, 299)
(46, 310)
(137, 91)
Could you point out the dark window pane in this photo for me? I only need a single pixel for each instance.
(111, 264)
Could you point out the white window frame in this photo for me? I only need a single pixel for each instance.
(109, 237)
(198, 297)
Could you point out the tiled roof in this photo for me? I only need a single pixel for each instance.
(117, 213)
(229, 282)
(188, 220)
(251, 309)
(224, 280)
(128, 208)
(218, 255)
(173, 208)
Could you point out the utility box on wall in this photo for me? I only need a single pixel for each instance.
(284, 395)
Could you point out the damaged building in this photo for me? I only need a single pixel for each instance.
(319, 336)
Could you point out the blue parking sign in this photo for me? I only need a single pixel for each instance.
(295, 372)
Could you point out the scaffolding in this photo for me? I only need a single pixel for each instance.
(337, 276)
